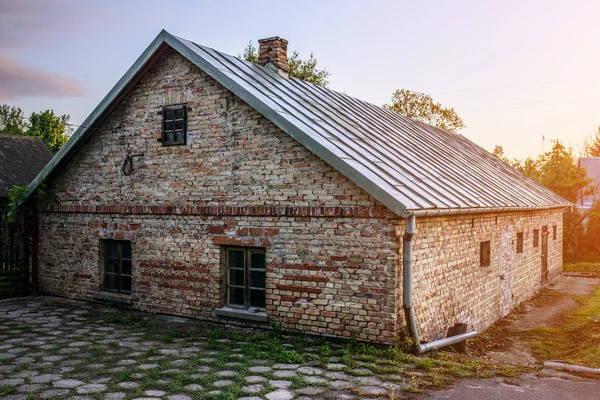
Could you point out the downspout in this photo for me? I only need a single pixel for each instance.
(407, 287)
(407, 280)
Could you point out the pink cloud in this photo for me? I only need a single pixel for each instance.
(18, 80)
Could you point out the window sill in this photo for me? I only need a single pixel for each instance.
(238, 313)
(114, 297)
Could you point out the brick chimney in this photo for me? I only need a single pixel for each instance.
(272, 52)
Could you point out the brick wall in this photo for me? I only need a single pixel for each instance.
(332, 252)
(449, 284)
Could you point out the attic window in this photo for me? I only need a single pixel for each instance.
(484, 254)
(174, 125)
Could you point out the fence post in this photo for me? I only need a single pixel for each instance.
(34, 252)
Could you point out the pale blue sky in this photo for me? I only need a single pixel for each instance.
(514, 70)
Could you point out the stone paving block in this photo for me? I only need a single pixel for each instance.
(91, 388)
(257, 388)
(280, 394)
(311, 390)
(67, 383)
(281, 384)
(284, 374)
(221, 383)
(178, 396)
(155, 393)
(255, 379)
(48, 394)
(259, 369)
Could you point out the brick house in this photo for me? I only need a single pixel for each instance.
(209, 187)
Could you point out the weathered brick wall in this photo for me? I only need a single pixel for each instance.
(332, 253)
(449, 284)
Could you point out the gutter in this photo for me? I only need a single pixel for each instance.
(407, 288)
(434, 212)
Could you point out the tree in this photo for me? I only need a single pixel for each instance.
(302, 69)
(559, 172)
(591, 145)
(53, 129)
(422, 107)
(12, 120)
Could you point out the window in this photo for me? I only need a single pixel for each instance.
(246, 277)
(554, 232)
(519, 242)
(484, 254)
(117, 266)
(536, 237)
(174, 125)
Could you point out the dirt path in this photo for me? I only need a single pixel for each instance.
(540, 313)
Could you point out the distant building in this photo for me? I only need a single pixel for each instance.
(592, 164)
(21, 159)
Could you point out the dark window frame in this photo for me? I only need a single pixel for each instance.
(120, 283)
(536, 238)
(248, 290)
(554, 229)
(165, 132)
(485, 253)
(519, 242)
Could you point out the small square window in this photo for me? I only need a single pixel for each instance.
(484, 254)
(519, 242)
(117, 266)
(554, 232)
(246, 277)
(536, 237)
(174, 125)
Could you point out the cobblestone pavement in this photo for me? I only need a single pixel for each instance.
(53, 348)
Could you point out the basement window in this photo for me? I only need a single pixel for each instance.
(536, 237)
(484, 254)
(519, 242)
(246, 278)
(117, 266)
(554, 232)
(174, 125)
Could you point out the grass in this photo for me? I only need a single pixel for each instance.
(576, 335)
(583, 267)
(6, 390)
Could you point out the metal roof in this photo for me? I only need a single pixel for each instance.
(21, 159)
(409, 166)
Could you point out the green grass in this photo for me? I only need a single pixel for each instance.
(576, 338)
(583, 267)
(5, 390)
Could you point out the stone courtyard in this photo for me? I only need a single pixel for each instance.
(55, 348)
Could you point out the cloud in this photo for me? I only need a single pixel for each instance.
(18, 80)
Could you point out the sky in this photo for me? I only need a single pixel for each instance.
(515, 71)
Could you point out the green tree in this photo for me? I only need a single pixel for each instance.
(12, 120)
(422, 107)
(591, 145)
(559, 172)
(53, 129)
(302, 69)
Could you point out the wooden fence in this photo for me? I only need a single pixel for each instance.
(16, 240)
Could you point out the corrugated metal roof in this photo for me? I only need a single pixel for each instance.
(405, 164)
(21, 159)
